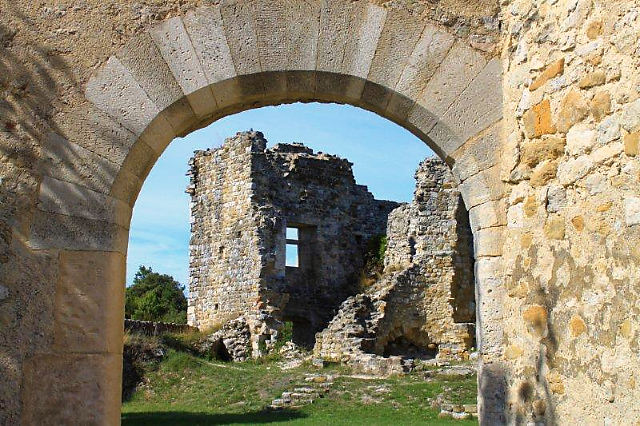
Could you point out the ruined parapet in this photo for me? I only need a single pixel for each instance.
(423, 305)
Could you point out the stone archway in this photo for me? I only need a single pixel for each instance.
(188, 71)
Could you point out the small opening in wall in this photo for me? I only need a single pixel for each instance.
(291, 250)
(215, 307)
(292, 256)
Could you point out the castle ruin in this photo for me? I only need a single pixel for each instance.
(281, 235)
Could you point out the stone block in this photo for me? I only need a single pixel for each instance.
(489, 214)
(126, 187)
(206, 31)
(145, 62)
(444, 138)
(366, 27)
(631, 142)
(140, 160)
(86, 126)
(461, 65)
(632, 211)
(303, 22)
(543, 173)
(239, 25)
(115, 91)
(552, 70)
(537, 121)
(600, 105)
(428, 54)
(69, 162)
(334, 31)
(56, 231)
(175, 47)
(478, 153)
(573, 109)
(422, 121)
(89, 307)
(482, 187)
(479, 105)
(630, 119)
(82, 387)
(488, 242)
(342, 88)
(596, 78)
(74, 200)
(534, 152)
(397, 41)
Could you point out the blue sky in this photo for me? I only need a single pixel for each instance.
(384, 154)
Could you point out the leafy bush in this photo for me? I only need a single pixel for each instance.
(155, 297)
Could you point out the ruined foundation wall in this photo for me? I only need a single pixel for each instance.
(425, 296)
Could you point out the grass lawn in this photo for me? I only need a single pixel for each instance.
(186, 390)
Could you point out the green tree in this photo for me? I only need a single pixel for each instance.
(155, 297)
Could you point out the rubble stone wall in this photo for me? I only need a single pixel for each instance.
(425, 297)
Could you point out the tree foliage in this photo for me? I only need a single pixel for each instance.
(155, 297)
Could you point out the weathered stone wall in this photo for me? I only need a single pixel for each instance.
(240, 212)
(424, 302)
(571, 326)
(225, 262)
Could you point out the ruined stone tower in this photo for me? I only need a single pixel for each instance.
(277, 235)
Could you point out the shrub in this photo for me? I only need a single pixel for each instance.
(155, 297)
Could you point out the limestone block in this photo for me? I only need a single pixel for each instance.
(631, 143)
(632, 211)
(140, 160)
(600, 105)
(422, 121)
(488, 242)
(206, 31)
(115, 91)
(303, 19)
(489, 214)
(239, 25)
(552, 70)
(573, 109)
(397, 41)
(175, 47)
(444, 137)
(89, 308)
(143, 59)
(630, 119)
(482, 187)
(334, 31)
(51, 230)
(580, 140)
(82, 387)
(69, 162)
(272, 34)
(573, 169)
(479, 105)
(534, 152)
(367, 25)
(461, 65)
(126, 187)
(478, 154)
(537, 121)
(92, 129)
(74, 200)
(428, 54)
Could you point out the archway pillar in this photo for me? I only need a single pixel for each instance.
(80, 377)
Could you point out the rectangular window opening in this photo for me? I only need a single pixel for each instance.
(291, 250)
(292, 255)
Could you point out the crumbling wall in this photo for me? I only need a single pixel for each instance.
(424, 304)
(240, 213)
(224, 255)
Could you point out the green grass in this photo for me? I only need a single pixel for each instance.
(186, 390)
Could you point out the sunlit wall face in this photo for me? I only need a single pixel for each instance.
(384, 156)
